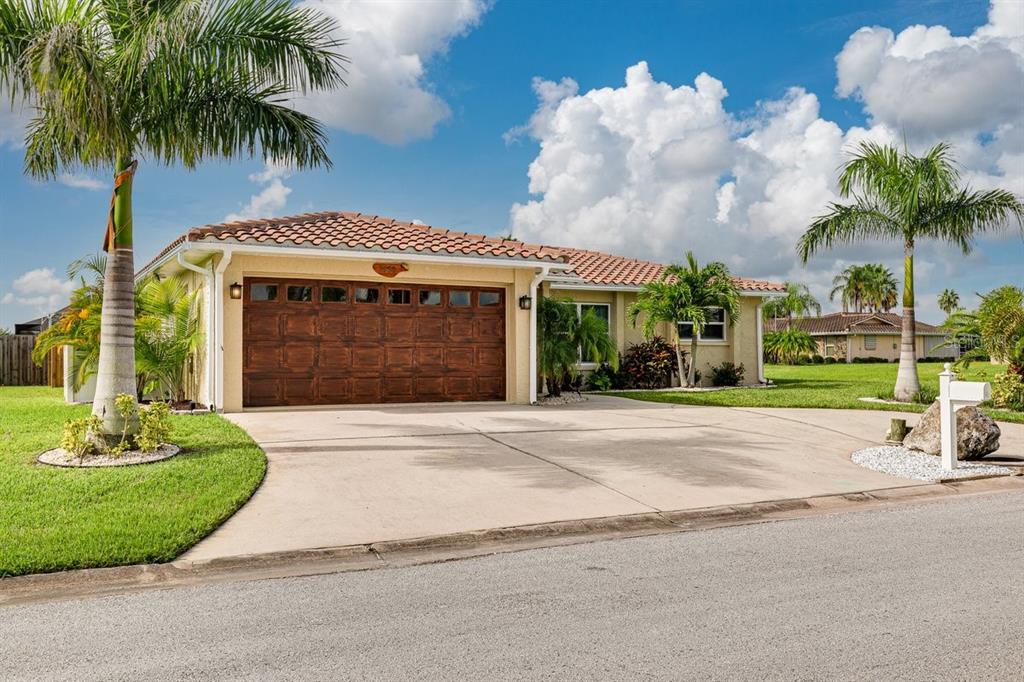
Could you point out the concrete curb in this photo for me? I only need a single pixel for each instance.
(95, 582)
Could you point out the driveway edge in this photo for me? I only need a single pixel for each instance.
(94, 582)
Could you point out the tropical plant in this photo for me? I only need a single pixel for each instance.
(870, 287)
(788, 345)
(79, 326)
(683, 293)
(797, 302)
(727, 374)
(565, 336)
(649, 364)
(899, 196)
(168, 335)
(4, 331)
(176, 81)
(168, 330)
(997, 325)
(949, 301)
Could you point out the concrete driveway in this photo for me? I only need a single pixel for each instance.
(358, 475)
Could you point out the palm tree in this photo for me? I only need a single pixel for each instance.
(798, 301)
(949, 301)
(565, 337)
(898, 196)
(871, 286)
(684, 293)
(177, 81)
(880, 288)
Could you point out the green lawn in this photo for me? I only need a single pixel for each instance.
(54, 519)
(837, 386)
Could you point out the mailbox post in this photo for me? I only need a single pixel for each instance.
(953, 395)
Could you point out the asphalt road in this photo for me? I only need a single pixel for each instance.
(930, 591)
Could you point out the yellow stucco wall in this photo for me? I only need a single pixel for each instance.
(515, 281)
(739, 347)
(888, 347)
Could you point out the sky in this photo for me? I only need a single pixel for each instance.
(641, 128)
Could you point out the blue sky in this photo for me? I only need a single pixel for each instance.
(447, 160)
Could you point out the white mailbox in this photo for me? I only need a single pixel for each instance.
(953, 395)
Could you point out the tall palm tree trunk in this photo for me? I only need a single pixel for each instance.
(907, 383)
(116, 367)
(691, 372)
(680, 365)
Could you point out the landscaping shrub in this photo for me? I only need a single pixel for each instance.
(649, 364)
(76, 438)
(604, 378)
(727, 374)
(788, 345)
(830, 361)
(817, 359)
(154, 426)
(870, 361)
(1008, 391)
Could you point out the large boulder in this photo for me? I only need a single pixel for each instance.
(976, 434)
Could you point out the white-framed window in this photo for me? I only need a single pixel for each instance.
(714, 327)
(870, 342)
(603, 311)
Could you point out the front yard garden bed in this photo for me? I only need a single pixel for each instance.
(57, 519)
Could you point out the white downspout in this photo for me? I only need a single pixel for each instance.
(218, 283)
(211, 306)
(760, 344)
(542, 272)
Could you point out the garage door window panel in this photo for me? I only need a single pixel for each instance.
(367, 295)
(263, 292)
(300, 294)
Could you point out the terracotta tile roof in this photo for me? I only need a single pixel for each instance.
(361, 232)
(852, 323)
(595, 267)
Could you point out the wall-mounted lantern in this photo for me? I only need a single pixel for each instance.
(525, 302)
(235, 291)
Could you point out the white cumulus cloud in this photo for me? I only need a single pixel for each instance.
(81, 181)
(653, 169)
(269, 201)
(389, 95)
(40, 289)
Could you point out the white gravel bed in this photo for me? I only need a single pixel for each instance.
(59, 457)
(565, 399)
(897, 460)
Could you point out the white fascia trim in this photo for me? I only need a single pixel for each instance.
(396, 256)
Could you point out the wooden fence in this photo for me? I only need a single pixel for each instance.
(17, 368)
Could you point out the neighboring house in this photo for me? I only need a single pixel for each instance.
(37, 325)
(332, 308)
(845, 336)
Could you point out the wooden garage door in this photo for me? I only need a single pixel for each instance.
(335, 342)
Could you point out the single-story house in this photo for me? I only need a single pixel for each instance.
(845, 336)
(335, 308)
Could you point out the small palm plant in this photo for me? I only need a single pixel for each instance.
(684, 293)
(565, 338)
(179, 81)
(788, 345)
(168, 336)
(998, 324)
(905, 198)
